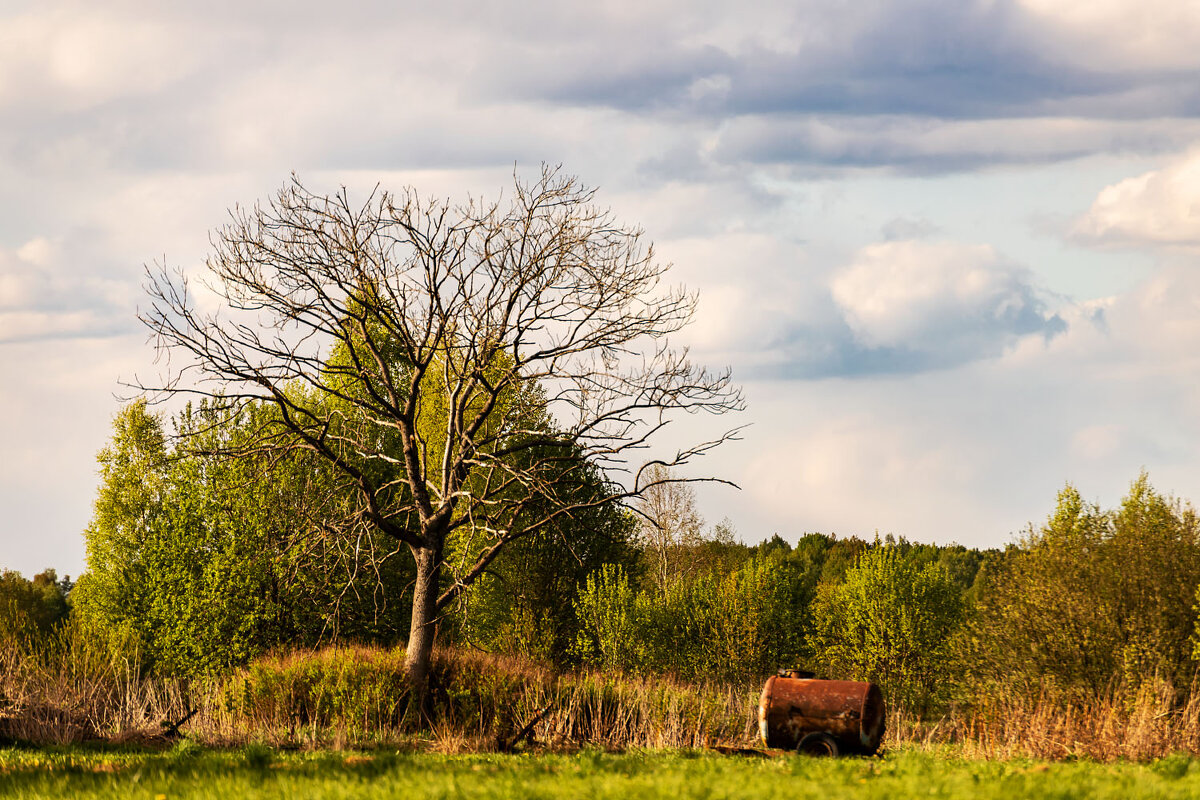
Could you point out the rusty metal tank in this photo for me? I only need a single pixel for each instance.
(794, 705)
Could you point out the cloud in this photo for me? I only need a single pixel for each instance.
(975, 453)
(898, 307)
(76, 58)
(126, 130)
(40, 300)
(929, 145)
(976, 59)
(1157, 208)
(1120, 34)
(918, 86)
(957, 300)
(911, 306)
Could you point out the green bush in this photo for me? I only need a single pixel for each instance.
(722, 627)
(1093, 601)
(890, 622)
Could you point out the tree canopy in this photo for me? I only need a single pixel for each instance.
(451, 364)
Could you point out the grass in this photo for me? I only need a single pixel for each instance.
(64, 692)
(343, 697)
(257, 771)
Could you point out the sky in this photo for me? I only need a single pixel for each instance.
(948, 247)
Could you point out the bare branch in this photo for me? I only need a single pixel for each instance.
(449, 362)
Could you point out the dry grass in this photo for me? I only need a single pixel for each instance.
(1147, 723)
(478, 701)
(62, 691)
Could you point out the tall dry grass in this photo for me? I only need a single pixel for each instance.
(1149, 722)
(477, 701)
(66, 689)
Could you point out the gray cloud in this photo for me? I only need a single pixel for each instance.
(960, 60)
(812, 144)
(908, 307)
(812, 354)
(42, 298)
(918, 86)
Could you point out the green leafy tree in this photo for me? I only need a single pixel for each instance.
(32, 607)
(733, 626)
(525, 602)
(201, 561)
(889, 622)
(610, 627)
(1093, 600)
(130, 510)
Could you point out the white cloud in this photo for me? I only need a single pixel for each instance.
(952, 301)
(1160, 207)
(77, 56)
(38, 251)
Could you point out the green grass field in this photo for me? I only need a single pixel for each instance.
(259, 772)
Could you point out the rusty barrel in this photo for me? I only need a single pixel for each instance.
(852, 712)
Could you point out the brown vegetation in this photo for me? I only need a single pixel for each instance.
(63, 693)
(1150, 723)
(356, 696)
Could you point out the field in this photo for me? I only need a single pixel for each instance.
(189, 771)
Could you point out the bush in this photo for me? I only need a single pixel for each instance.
(730, 628)
(1093, 601)
(890, 622)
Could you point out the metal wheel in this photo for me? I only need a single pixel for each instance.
(818, 744)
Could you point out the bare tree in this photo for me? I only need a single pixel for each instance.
(670, 520)
(454, 363)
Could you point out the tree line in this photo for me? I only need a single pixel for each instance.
(196, 562)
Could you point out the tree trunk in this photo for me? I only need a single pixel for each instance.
(421, 632)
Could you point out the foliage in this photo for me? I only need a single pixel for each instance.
(889, 622)
(524, 603)
(32, 607)
(199, 562)
(735, 626)
(1093, 599)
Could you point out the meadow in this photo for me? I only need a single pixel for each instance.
(188, 770)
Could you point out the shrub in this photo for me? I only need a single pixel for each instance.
(1092, 601)
(731, 628)
(890, 622)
